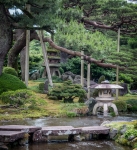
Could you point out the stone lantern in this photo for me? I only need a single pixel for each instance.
(105, 98)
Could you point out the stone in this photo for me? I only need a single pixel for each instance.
(123, 130)
(46, 84)
(3, 147)
(105, 123)
(77, 81)
(70, 78)
(35, 76)
(123, 91)
(77, 138)
(64, 77)
(69, 73)
(113, 133)
(38, 137)
(131, 137)
(90, 103)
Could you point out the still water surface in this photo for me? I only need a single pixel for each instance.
(75, 122)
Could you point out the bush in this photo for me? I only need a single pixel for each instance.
(10, 83)
(53, 97)
(132, 104)
(121, 105)
(18, 97)
(56, 79)
(10, 70)
(41, 86)
(67, 91)
(125, 78)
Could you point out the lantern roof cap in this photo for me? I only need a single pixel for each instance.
(106, 85)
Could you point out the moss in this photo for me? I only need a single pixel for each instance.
(122, 141)
(9, 70)
(41, 86)
(9, 82)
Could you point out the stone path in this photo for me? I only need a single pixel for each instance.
(11, 133)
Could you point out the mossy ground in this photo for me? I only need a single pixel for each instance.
(53, 108)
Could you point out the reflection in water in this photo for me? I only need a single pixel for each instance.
(76, 122)
(90, 145)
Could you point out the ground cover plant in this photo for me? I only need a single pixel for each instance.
(9, 82)
(66, 92)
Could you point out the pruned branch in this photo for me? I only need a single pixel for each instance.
(75, 53)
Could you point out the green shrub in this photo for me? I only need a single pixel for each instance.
(10, 83)
(41, 86)
(125, 78)
(67, 91)
(132, 104)
(71, 114)
(121, 105)
(18, 97)
(10, 70)
(56, 79)
(53, 97)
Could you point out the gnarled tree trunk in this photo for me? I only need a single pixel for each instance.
(5, 35)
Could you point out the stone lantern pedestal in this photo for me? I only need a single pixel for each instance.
(105, 98)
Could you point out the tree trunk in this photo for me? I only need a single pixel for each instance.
(5, 36)
(15, 50)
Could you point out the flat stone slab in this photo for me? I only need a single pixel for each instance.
(95, 130)
(60, 130)
(28, 129)
(10, 136)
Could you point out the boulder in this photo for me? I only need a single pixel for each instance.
(35, 76)
(64, 77)
(121, 91)
(69, 73)
(46, 85)
(113, 133)
(90, 103)
(70, 78)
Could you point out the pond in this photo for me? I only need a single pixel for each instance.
(75, 122)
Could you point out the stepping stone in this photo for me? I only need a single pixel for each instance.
(28, 129)
(60, 130)
(10, 136)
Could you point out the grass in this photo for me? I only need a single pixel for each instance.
(46, 107)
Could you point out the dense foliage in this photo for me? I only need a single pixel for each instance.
(74, 66)
(67, 91)
(9, 70)
(10, 83)
(21, 98)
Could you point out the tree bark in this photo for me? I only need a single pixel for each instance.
(17, 47)
(5, 36)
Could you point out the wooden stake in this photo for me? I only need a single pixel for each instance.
(88, 80)
(45, 58)
(27, 52)
(117, 70)
(82, 68)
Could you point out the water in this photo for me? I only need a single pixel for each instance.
(75, 122)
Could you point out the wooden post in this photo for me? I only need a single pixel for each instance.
(82, 68)
(88, 80)
(45, 58)
(27, 51)
(117, 70)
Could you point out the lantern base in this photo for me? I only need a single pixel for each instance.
(105, 108)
